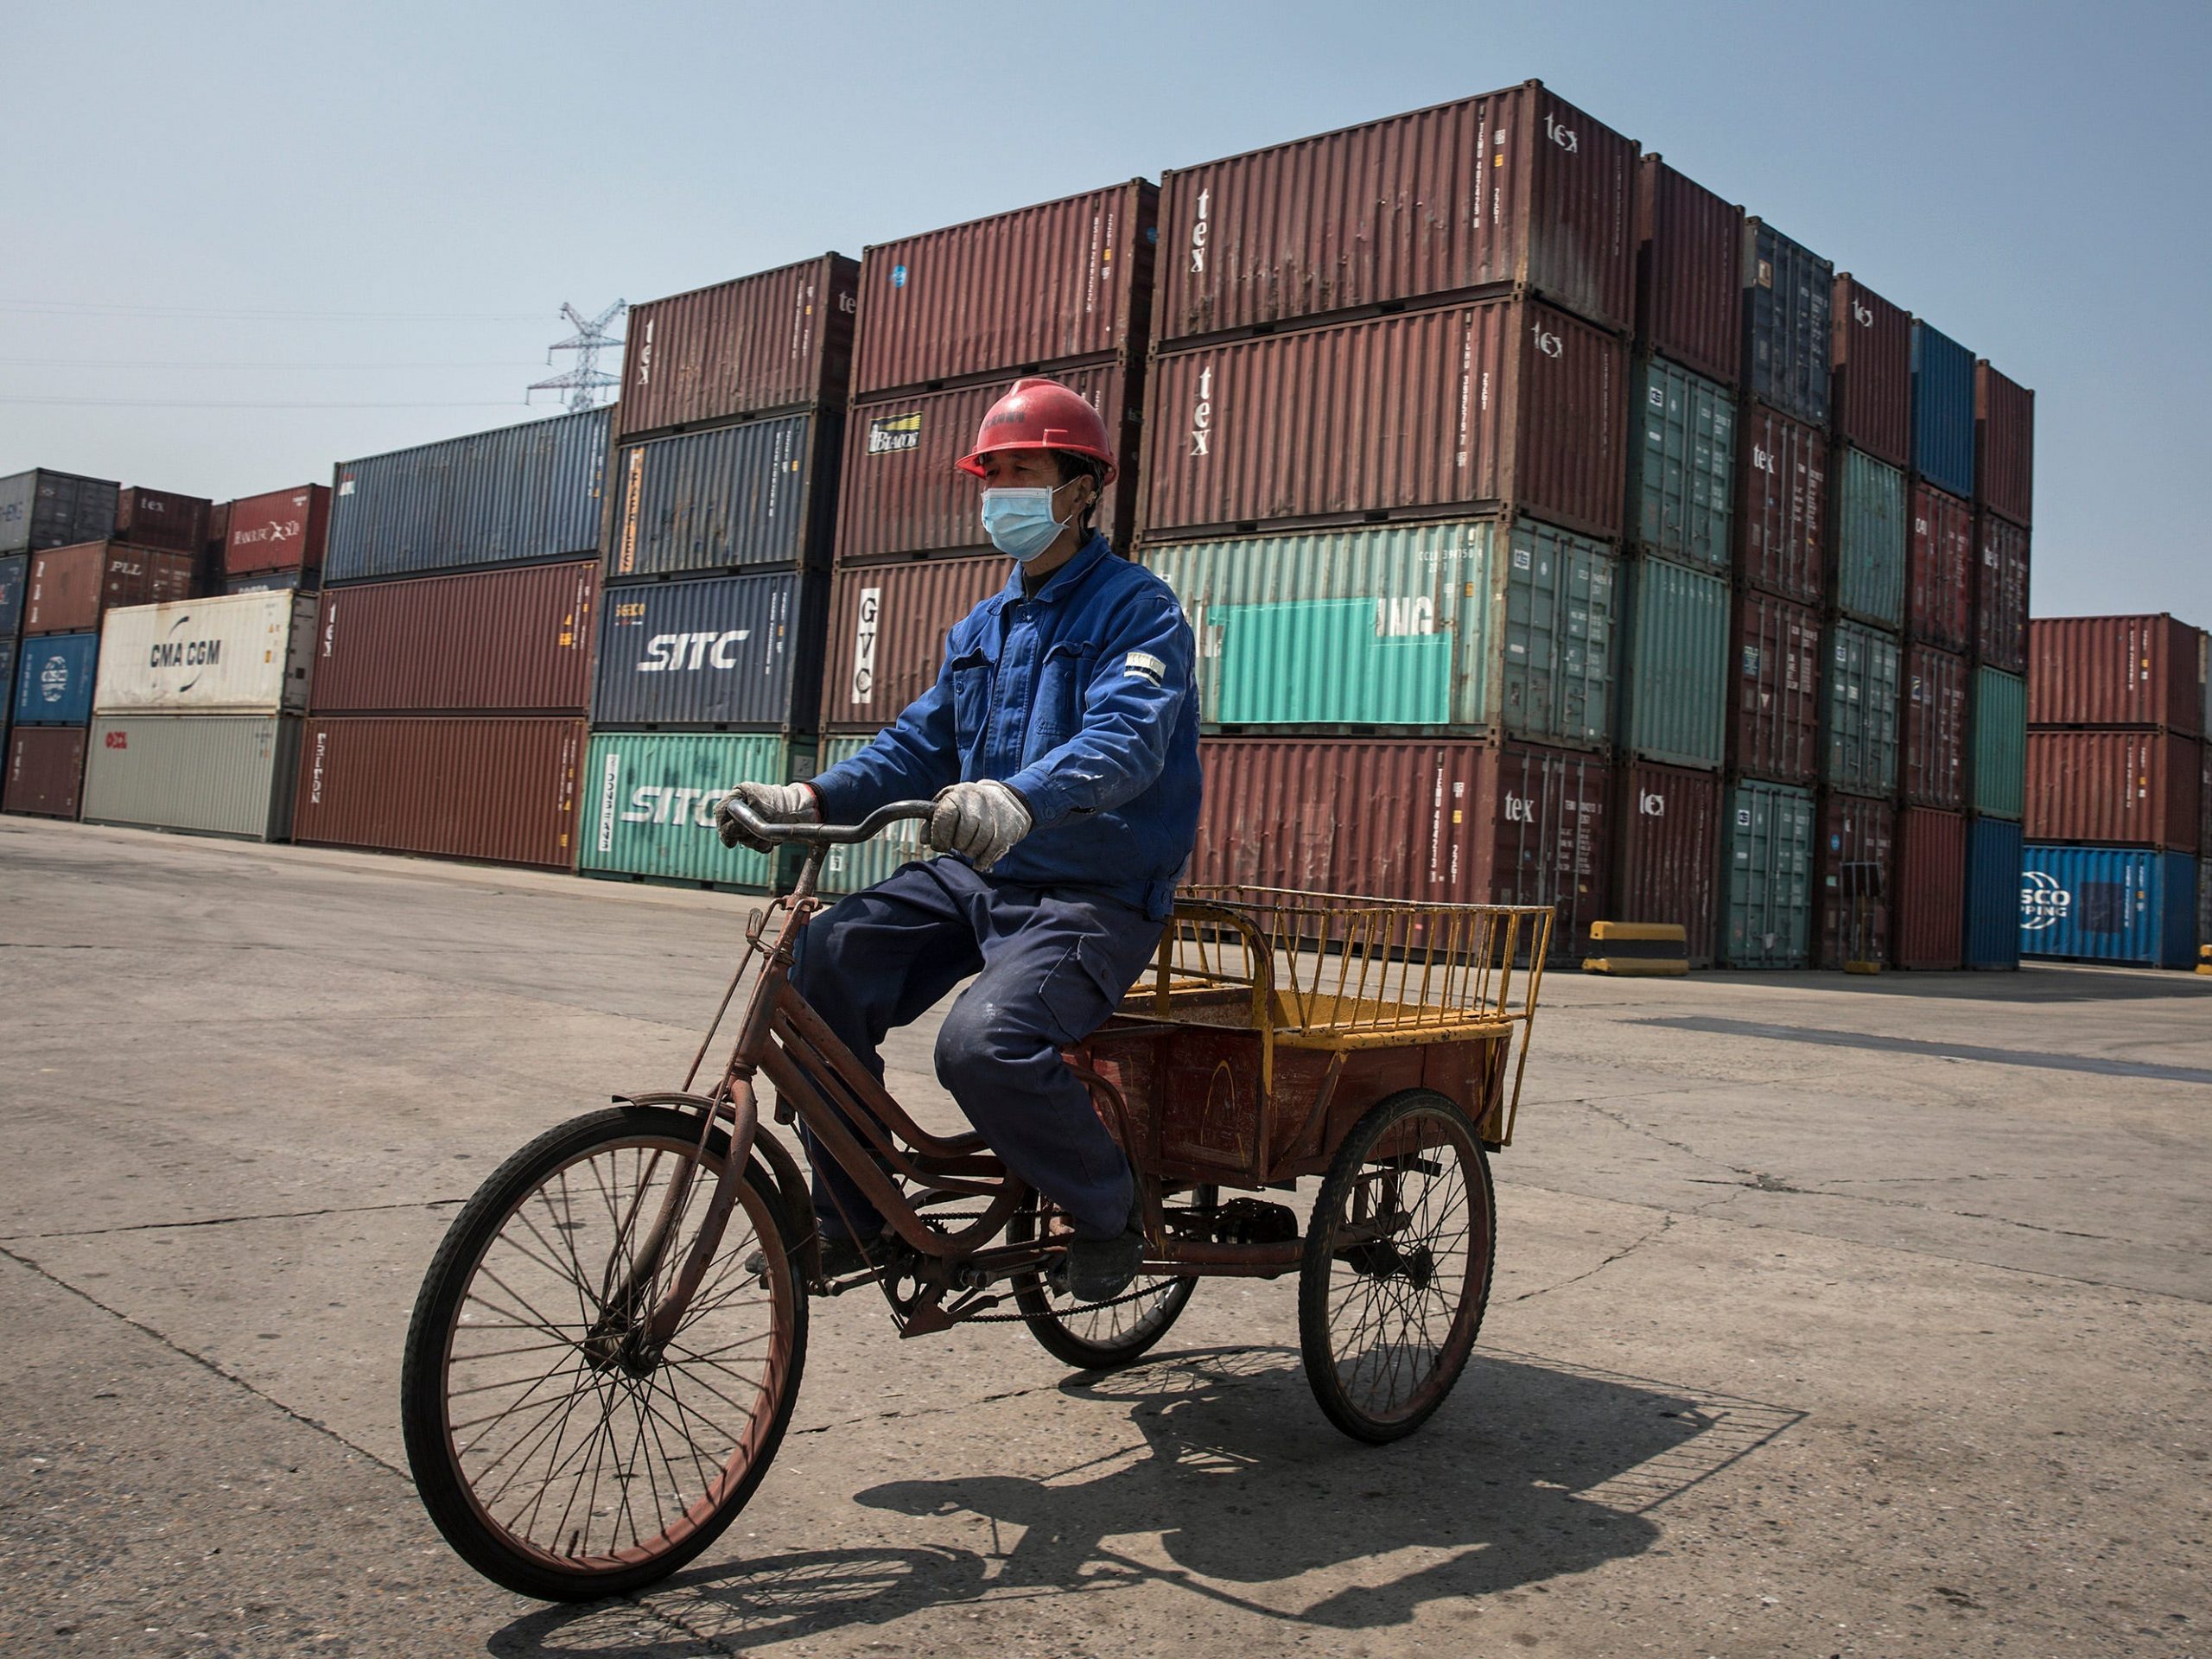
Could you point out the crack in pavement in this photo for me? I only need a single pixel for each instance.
(1684, 1147)
(1666, 1225)
(227, 1221)
(1775, 1183)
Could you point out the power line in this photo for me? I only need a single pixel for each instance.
(146, 363)
(83, 308)
(193, 403)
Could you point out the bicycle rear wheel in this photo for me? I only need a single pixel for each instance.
(1094, 1336)
(557, 1454)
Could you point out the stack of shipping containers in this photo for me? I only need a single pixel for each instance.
(949, 320)
(272, 543)
(715, 572)
(2115, 789)
(453, 646)
(2003, 495)
(1385, 458)
(39, 510)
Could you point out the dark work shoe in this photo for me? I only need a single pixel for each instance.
(1099, 1269)
(841, 1256)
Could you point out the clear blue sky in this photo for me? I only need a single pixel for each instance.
(2030, 178)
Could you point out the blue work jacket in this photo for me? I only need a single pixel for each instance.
(1080, 697)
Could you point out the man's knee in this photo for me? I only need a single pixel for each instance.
(981, 1037)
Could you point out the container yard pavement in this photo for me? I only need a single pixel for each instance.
(1849, 1317)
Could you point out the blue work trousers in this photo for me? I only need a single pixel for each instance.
(1052, 962)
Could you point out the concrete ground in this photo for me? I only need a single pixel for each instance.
(1832, 1317)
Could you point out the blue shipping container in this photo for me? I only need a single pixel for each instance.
(2109, 904)
(1789, 292)
(510, 497)
(7, 681)
(729, 651)
(1993, 901)
(755, 494)
(13, 569)
(1943, 410)
(54, 679)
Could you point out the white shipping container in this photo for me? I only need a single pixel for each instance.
(239, 654)
(209, 774)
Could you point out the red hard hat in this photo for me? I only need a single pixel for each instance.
(1041, 414)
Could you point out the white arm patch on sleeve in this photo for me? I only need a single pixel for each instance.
(1145, 663)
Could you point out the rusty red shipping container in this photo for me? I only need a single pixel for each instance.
(1782, 503)
(1063, 282)
(779, 338)
(1939, 569)
(2004, 445)
(1774, 718)
(46, 771)
(281, 530)
(160, 519)
(2000, 593)
(2114, 671)
(70, 589)
(1429, 413)
(901, 497)
(1870, 371)
(503, 791)
(1689, 272)
(2128, 788)
(1853, 866)
(887, 624)
(211, 576)
(1928, 929)
(494, 641)
(1936, 754)
(1667, 827)
(1512, 187)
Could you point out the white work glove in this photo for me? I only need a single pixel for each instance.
(980, 822)
(772, 804)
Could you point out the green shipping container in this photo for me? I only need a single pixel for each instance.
(1469, 626)
(649, 802)
(1682, 485)
(1675, 682)
(2000, 743)
(1858, 710)
(1769, 854)
(849, 869)
(1870, 540)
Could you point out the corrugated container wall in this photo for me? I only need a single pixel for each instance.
(211, 774)
(1942, 410)
(2116, 671)
(649, 803)
(1788, 296)
(2140, 789)
(8, 648)
(2000, 597)
(491, 641)
(1939, 570)
(46, 771)
(2001, 742)
(285, 530)
(1061, 282)
(2105, 904)
(849, 869)
(1689, 272)
(1993, 899)
(1768, 852)
(1431, 412)
(1781, 528)
(54, 679)
(730, 650)
(1871, 372)
(759, 493)
(1859, 703)
(1856, 858)
(72, 587)
(2005, 445)
(275, 582)
(1871, 537)
(1935, 728)
(504, 791)
(1674, 680)
(1478, 627)
(1930, 889)
(160, 519)
(1668, 827)
(1774, 717)
(248, 655)
(518, 495)
(43, 508)
(15, 573)
(1511, 187)
(1682, 467)
(778, 339)
(886, 638)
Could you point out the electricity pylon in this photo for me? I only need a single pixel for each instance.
(587, 380)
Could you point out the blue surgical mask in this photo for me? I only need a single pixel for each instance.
(1019, 521)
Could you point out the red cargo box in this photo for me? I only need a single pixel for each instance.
(2004, 445)
(1939, 570)
(2000, 593)
(160, 519)
(1064, 282)
(887, 624)
(2116, 671)
(1774, 718)
(1514, 187)
(901, 497)
(504, 791)
(1502, 403)
(1870, 371)
(1929, 926)
(492, 641)
(1852, 865)
(2128, 788)
(46, 771)
(1668, 827)
(281, 530)
(1935, 756)
(779, 338)
(1689, 283)
(71, 588)
(1780, 504)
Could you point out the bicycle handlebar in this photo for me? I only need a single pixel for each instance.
(827, 835)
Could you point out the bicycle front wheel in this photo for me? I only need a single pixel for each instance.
(558, 1453)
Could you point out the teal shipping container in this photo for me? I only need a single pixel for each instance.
(1871, 533)
(1472, 627)
(2000, 743)
(1858, 710)
(1768, 854)
(1681, 481)
(649, 803)
(1675, 679)
(849, 869)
